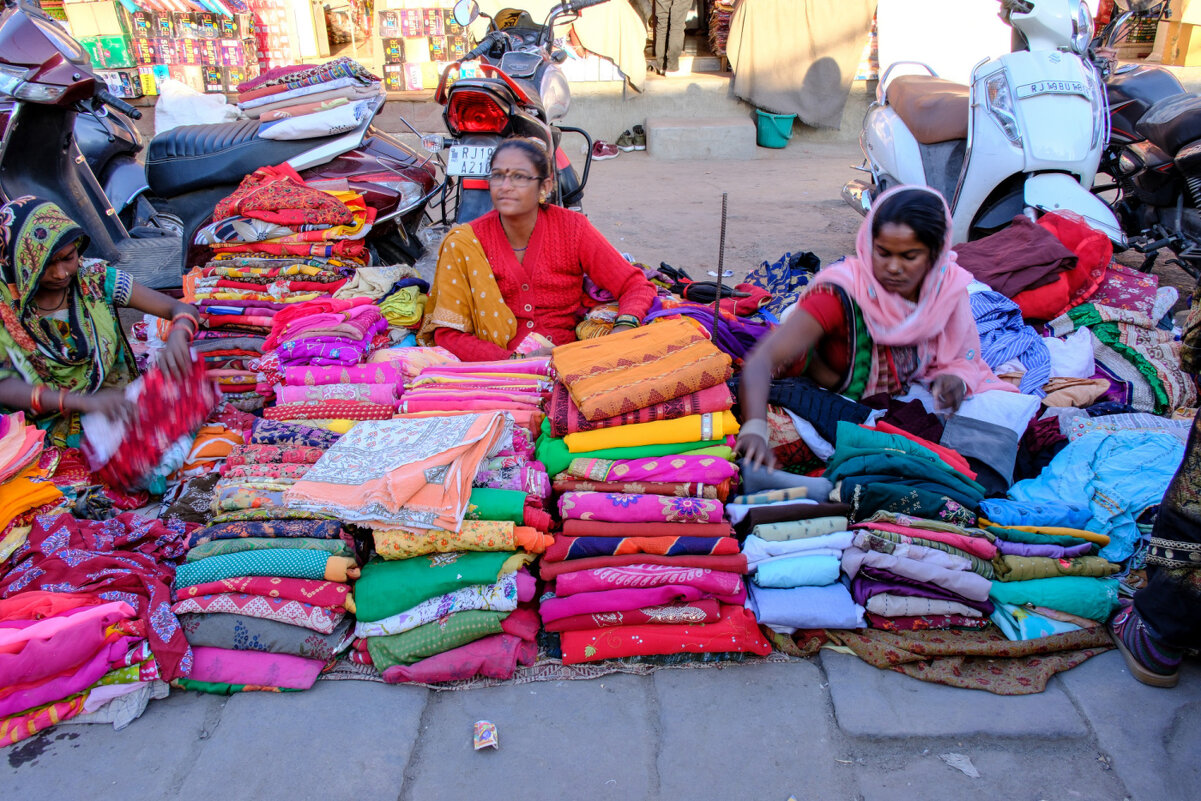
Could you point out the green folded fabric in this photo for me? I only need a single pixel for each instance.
(1035, 537)
(1092, 598)
(855, 443)
(225, 688)
(223, 547)
(497, 504)
(278, 562)
(553, 453)
(454, 631)
(388, 588)
(1026, 568)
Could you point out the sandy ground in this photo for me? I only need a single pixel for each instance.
(671, 210)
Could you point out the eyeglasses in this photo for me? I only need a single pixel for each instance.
(496, 178)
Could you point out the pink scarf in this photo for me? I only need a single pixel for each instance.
(941, 325)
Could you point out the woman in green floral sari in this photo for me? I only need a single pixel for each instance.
(62, 350)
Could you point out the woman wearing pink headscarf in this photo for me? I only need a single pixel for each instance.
(894, 314)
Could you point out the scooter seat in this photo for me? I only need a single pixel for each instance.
(934, 109)
(193, 157)
(1173, 122)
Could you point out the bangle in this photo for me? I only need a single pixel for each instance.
(192, 318)
(758, 427)
(35, 400)
(62, 399)
(627, 319)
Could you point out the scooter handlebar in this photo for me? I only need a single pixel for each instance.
(120, 105)
(579, 5)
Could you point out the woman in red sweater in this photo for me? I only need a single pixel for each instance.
(519, 269)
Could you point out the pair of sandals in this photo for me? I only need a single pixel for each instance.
(632, 139)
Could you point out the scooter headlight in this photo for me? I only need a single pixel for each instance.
(1082, 28)
(1000, 106)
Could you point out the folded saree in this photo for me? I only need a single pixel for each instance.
(915, 563)
(646, 576)
(494, 657)
(327, 594)
(553, 608)
(736, 632)
(635, 369)
(243, 633)
(388, 588)
(226, 666)
(316, 529)
(358, 374)
(498, 596)
(296, 613)
(292, 437)
(279, 562)
(383, 394)
(870, 583)
(661, 432)
(889, 605)
(925, 622)
(810, 569)
(886, 540)
(619, 508)
(348, 410)
(565, 417)
(868, 498)
(404, 472)
(334, 547)
(977, 546)
(53, 645)
(729, 563)
(453, 631)
(16, 728)
(578, 547)
(595, 528)
(671, 468)
(1025, 568)
(828, 607)
(681, 489)
(800, 529)
(1091, 598)
(758, 551)
(474, 535)
(705, 610)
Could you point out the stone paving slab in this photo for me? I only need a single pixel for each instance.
(341, 739)
(749, 731)
(155, 753)
(1153, 735)
(869, 702)
(1013, 770)
(577, 739)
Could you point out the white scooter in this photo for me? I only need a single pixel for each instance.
(1026, 134)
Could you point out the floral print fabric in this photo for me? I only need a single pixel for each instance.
(621, 508)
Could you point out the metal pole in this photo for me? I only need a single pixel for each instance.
(721, 264)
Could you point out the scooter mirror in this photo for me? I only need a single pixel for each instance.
(466, 12)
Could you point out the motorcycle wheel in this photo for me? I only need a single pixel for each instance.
(156, 214)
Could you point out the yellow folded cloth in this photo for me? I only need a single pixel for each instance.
(1055, 531)
(693, 428)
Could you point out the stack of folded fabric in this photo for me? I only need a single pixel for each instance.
(263, 594)
(300, 102)
(441, 601)
(22, 495)
(86, 631)
(647, 565)
(355, 392)
(518, 386)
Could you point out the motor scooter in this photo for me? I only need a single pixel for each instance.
(519, 91)
(1153, 157)
(49, 78)
(1026, 133)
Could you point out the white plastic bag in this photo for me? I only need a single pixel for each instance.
(179, 104)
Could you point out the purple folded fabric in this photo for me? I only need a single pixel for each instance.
(1053, 551)
(864, 587)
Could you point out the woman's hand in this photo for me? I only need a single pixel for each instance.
(949, 391)
(111, 403)
(176, 357)
(755, 450)
(619, 327)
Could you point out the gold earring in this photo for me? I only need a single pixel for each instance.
(542, 198)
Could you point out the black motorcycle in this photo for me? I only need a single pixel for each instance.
(519, 91)
(1153, 158)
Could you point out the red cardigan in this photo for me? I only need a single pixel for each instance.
(545, 292)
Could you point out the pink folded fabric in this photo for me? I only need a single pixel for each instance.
(644, 576)
(56, 644)
(61, 687)
(383, 394)
(660, 469)
(358, 374)
(587, 603)
(530, 366)
(977, 546)
(625, 508)
(447, 405)
(223, 666)
(493, 657)
(295, 613)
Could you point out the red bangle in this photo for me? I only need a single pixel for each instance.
(35, 400)
(62, 399)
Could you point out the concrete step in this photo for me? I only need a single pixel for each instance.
(726, 138)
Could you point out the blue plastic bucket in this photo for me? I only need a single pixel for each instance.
(774, 130)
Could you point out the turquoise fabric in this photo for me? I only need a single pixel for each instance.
(1093, 598)
(1019, 623)
(275, 562)
(798, 571)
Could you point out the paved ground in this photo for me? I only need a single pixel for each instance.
(826, 728)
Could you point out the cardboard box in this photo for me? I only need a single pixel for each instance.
(143, 24)
(394, 77)
(109, 52)
(411, 23)
(389, 24)
(394, 51)
(186, 25)
(152, 77)
(192, 76)
(237, 52)
(451, 27)
(438, 51)
(237, 75)
(206, 25)
(103, 18)
(1182, 47)
(210, 52)
(214, 79)
(413, 78)
(456, 48)
(166, 24)
(187, 52)
(431, 22)
(239, 26)
(122, 83)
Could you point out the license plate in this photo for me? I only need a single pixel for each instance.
(1053, 88)
(469, 160)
